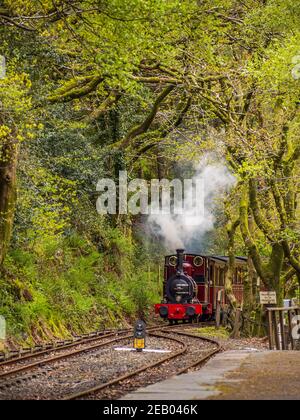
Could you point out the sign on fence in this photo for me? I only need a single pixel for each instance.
(268, 298)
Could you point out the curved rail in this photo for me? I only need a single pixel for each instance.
(62, 356)
(156, 331)
(131, 374)
(57, 346)
(54, 348)
(52, 359)
(184, 349)
(204, 358)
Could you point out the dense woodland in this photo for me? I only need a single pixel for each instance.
(93, 87)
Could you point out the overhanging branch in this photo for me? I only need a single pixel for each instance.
(145, 125)
(78, 89)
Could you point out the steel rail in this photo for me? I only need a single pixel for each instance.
(202, 359)
(49, 350)
(131, 374)
(52, 359)
(51, 347)
(158, 331)
(101, 387)
(28, 353)
(60, 357)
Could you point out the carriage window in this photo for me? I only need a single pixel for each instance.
(211, 275)
(219, 277)
(222, 277)
(200, 279)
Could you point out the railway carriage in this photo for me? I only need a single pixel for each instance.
(193, 284)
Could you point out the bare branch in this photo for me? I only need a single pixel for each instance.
(18, 25)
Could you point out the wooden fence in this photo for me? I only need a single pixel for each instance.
(281, 323)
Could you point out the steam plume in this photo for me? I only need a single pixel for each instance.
(179, 231)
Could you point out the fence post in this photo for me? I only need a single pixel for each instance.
(225, 316)
(290, 329)
(218, 314)
(277, 328)
(236, 328)
(274, 319)
(270, 330)
(282, 332)
(297, 342)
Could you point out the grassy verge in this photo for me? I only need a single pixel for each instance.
(67, 286)
(221, 333)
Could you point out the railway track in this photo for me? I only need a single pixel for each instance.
(82, 346)
(155, 371)
(23, 354)
(182, 341)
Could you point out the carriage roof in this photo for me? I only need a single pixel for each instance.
(217, 258)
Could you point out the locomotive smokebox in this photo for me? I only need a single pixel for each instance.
(180, 254)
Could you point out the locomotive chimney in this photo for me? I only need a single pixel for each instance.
(180, 253)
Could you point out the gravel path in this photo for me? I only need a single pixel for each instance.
(264, 376)
(235, 344)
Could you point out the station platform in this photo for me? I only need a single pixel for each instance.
(233, 375)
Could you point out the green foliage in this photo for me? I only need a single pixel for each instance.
(69, 286)
(221, 332)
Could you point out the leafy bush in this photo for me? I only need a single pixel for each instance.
(67, 285)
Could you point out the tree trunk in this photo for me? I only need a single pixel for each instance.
(229, 276)
(160, 166)
(8, 179)
(274, 270)
(249, 302)
(231, 230)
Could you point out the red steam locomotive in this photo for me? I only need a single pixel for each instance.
(193, 284)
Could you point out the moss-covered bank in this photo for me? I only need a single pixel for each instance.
(67, 286)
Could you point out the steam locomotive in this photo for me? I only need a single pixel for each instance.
(193, 284)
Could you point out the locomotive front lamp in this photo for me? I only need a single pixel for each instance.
(139, 336)
(163, 311)
(190, 311)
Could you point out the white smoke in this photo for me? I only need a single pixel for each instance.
(179, 231)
